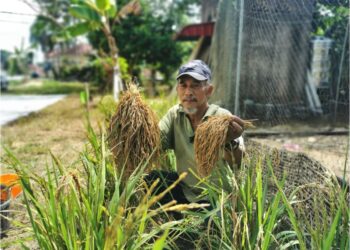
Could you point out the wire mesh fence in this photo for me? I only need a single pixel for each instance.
(282, 60)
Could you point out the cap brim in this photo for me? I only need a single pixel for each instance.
(194, 75)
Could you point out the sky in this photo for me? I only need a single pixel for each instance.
(15, 26)
(16, 17)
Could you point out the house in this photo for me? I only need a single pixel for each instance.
(74, 55)
(201, 32)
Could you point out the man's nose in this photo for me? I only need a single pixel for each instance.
(189, 90)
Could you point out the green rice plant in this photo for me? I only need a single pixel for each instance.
(74, 207)
(329, 226)
(87, 205)
(247, 215)
(243, 215)
(107, 107)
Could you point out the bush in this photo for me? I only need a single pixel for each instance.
(99, 71)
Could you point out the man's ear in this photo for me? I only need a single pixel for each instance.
(209, 90)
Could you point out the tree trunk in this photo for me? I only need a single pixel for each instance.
(117, 81)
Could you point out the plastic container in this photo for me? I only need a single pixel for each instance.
(11, 181)
(9, 190)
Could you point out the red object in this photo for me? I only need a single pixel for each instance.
(195, 31)
(11, 181)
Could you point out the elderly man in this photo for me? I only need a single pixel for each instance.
(178, 128)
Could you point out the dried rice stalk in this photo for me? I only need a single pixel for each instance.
(209, 139)
(134, 135)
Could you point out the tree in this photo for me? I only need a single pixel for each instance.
(52, 18)
(4, 59)
(102, 15)
(147, 39)
(60, 21)
(47, 30)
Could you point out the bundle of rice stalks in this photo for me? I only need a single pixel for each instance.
(134, 135)
(210, 138)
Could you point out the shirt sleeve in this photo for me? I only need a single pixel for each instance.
(166, 126)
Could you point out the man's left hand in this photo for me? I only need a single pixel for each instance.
(235, 128)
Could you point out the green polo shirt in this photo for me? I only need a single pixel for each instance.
(177, 134)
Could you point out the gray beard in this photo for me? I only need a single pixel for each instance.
(190, 111)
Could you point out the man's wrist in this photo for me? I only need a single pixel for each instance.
(232, 145)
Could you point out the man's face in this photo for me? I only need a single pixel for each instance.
(193, 94)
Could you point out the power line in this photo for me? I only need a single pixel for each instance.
(17, 13)
(9, 21)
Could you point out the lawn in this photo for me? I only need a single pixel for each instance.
(59, 128)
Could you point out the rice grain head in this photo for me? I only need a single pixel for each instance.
(210, 138)
(133, 134)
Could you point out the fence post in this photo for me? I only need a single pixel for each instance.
(340, 73)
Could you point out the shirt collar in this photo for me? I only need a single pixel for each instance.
(210, 111)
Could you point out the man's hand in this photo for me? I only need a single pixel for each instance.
(233, 154)
(235, 129)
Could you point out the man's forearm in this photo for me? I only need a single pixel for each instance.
(234, 156)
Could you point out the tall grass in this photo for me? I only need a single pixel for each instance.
(91, 208)
(88, 206)
(247, 215)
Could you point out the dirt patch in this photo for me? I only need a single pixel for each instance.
(60, 128)
(329, 150)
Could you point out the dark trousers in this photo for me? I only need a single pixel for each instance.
(165, 180)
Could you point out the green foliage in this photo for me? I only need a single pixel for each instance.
(49, 25)
(160, 243)
(13, 67)
(85, 12)
(124, 69)
(79, 29)
(19, 61)
(48, 87)
(98, 71)
(161, 104)
(4, 59)
(107, 106)
(102, 69)
(144, 40)
(103, 4)
(87, 206)
(334, 25)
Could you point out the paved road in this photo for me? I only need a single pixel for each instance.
(15, 106)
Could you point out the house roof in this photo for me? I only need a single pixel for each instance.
(194, 31)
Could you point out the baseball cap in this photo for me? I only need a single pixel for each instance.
(197, 69)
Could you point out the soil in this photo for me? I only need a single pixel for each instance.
(332, 150)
